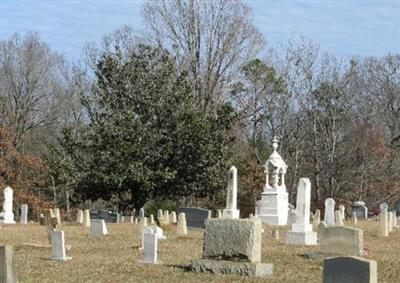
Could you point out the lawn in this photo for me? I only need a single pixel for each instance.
(116, 258)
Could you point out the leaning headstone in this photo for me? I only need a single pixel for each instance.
(58, 246)
(231, 210)
(98, 227)
(7, 265)
(329, 217)
(181, 228)
(390, 221)
(338, 218)
(24, 214)
(195, 217)
(383, 230)
(173, 217)
(302, 232)
(341, 240)
(354, 218)
(232, 246)
(317, 219)
(79, 217)
(7, 214)
(342, 210)
(86, 218)
(150, 243)
(349, 269)
(58, 215)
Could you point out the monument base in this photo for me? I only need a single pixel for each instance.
(232, 267)
(301, 238)
(231, 213)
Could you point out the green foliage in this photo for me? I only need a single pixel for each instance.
(146, 138)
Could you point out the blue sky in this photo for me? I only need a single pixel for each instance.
(345, 28)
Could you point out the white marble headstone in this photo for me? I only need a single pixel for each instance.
(8, 214)
(58, 246)
(329, 216)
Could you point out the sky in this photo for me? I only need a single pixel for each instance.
(345, 28)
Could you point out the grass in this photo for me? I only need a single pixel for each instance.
(115, 258)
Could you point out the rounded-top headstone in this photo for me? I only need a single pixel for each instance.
(329, 202)
(383, 207)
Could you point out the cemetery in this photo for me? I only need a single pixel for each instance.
(199, 141)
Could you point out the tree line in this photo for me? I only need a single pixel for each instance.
(162, 113)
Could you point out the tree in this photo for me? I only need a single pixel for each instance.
(146, 137)
(210, 40)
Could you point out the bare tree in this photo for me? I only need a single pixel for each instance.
(210, 40)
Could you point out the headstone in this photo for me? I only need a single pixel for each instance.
(7, 265)
(251, 215)
(302, 232)
(131, 219)
(342, 210)
(58, 246)
(195, 217)
(136, 221)
(150, 247)
(232, 246)
(329, 217)
(79, 217)
(58, 215)
(317, 219)
(142, 224)
(341, 240)
(122, 219)
(383, 230)
(231, 210)
(166, 217)
(159, 214)
(338, 218)
(397, 208)
(354, 218)
(219, 214)
(173, 217)
(349, 269)
(158, 231)
(394, 219)
(360, 209)
(98, 227)
(86, 218)
(390, 221)
(181, 228)
(146, 229)
(141, 213)
(209, 214)
(291, 216)
(383, 207)
(152, 219)
(7, 214)
(24, 214)
(273, 209)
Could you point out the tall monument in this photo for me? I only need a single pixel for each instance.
(273, 208)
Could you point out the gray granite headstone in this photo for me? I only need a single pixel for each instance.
(349, 269)
(195, 217)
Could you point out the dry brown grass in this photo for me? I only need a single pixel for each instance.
(115, 258)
